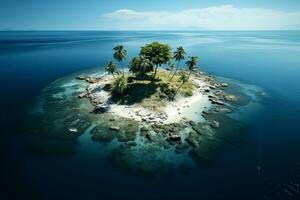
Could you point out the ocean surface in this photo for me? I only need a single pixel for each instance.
(265, 167)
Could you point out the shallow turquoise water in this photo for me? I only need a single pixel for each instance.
(32, 60)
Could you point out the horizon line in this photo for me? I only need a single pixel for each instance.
(106, 30)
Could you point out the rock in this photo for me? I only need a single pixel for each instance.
(219, 102)
(192, 139)
(223, 110)
(205, 112)
(73, 130)
(126, 136)
(131, 144)
(144, 129)
(192, 123)
(80, 77)
(230, 98)
(175, 138)
(103, 137)
(212, 87)
(215, 124)
(176, 125)
(102, 108)
(91, 80)
(112, 119)
(82, 95)
(218, 93)
(151, 135)
(114, 128)
(128, 131)
(151, 118)
(197, 128)
(224, 84)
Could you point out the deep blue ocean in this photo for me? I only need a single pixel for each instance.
(266, 167)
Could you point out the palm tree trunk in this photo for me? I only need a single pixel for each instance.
(171, 70)
(175, 71)
(121, 63)
(178, 90)
(155, 72)
(189, 75)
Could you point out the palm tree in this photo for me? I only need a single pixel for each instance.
(119, 54)
(158, 54)
(119, 85)
(171, 66)
(183, 79)
(178, 55)
(192, 64)
(134, 65)
(140, 65)
(111, 68)
(145, 65)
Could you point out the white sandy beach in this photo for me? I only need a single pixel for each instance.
(187, 108)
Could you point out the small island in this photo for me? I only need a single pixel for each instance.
(154, 90)
(156, 113)
(167, 103)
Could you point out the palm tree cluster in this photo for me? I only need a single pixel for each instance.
(151, 57)
(140, 65)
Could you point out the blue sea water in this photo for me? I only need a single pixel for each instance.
(268, 166)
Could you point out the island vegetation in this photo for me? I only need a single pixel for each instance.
(151, 76)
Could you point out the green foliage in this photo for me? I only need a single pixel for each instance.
(140, 65)
(111, 67)
(140, 87)
(119, 85)
(157, 53)
(183, 78)
(169, 88)
(192, 63)
(172, 66)
(120, 53)
(178, 55)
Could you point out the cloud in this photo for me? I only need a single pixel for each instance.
(225, 17)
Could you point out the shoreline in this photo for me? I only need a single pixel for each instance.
(195, 133)
(180, 109)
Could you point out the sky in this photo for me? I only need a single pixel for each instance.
(150, 15)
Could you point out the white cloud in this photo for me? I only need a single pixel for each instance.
(225, 17)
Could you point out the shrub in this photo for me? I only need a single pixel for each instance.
(119, 85)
